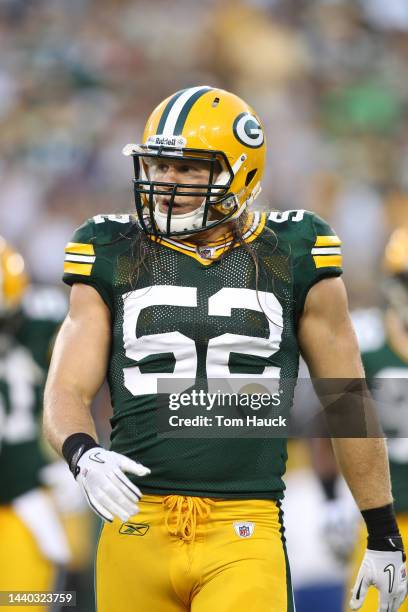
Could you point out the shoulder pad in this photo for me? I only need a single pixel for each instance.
(114, 218)
(103, 228)
(94, 235)
(109, 227)
(315, 249)
(309, 235)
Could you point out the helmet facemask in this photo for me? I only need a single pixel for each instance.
(215, 194)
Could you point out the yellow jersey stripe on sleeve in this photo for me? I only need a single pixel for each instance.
(327, 241)
(328, 261)
(83, 269)
(80, 248)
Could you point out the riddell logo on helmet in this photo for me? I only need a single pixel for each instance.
(167, 141)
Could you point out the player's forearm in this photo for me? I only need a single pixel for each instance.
(78, 367)
(364, 465)
(65, 413)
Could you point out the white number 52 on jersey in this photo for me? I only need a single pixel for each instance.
(219, 348)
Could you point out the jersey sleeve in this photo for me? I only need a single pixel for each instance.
(87, 261)
(318, 256)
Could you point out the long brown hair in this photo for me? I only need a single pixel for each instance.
(142, 249)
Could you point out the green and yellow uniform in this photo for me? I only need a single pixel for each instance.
(194, 312)
(382, 361)
(25, 346)
(24, 359)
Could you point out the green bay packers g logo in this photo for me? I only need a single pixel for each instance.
(248, 130)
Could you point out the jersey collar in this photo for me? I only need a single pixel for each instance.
(210, 252)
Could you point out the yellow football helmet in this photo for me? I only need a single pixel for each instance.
(13, 279)
(395, 264)
(396, 252)
(196, 124)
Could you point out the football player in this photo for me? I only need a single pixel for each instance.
(33, 544)
(383, 339)
(196, 286)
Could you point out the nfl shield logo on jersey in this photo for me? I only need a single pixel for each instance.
(244, 530)
(205, 252)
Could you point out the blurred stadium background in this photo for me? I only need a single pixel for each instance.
(328, 77)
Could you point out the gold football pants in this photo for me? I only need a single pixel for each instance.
(371, 600)
(195, 554)
(22, 565)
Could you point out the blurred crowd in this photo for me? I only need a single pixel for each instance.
(79, 77)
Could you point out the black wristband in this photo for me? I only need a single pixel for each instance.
(74, 447)
(383, 532)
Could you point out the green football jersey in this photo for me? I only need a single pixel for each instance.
(381, 361)
(185, 313)
(25, 350)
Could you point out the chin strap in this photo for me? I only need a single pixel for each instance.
(180, 223)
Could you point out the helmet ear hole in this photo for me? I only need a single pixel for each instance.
(250, 176)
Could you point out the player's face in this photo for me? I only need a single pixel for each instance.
(181, 172)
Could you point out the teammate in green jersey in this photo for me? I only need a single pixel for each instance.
(196, 287)
(383, 341)
(32, 540)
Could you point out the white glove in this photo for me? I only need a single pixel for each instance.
(339, 522)
(108, 491)
(385, 570)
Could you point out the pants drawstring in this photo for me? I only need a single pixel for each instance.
(188, 510)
